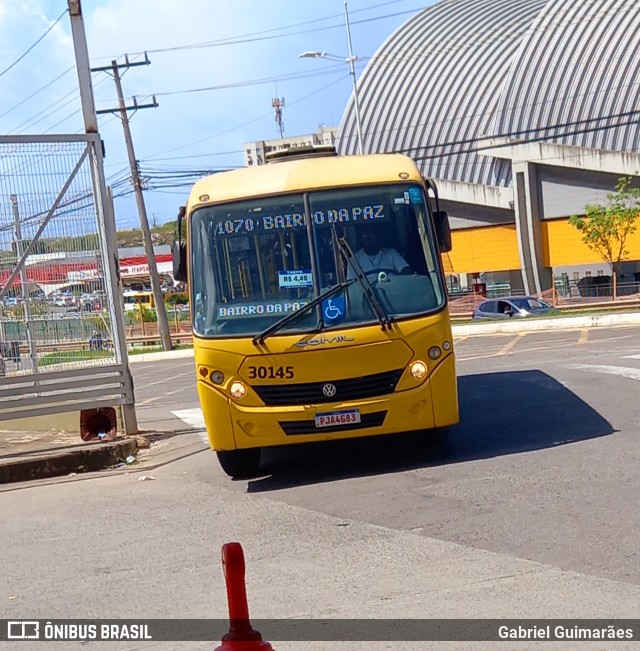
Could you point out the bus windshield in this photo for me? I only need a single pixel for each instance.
(255, 261)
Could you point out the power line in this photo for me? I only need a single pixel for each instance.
(290, 76)
(36, 43)
(26, 99)
(522, 132)
(385, 59)
(68, 117)
(545, 138)
(240, 41)
(73, 95)
(246, 38)
(217, 153)
(244, 124)
(577, 123)
(49, 111)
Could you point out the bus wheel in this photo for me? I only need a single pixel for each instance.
(240, 463)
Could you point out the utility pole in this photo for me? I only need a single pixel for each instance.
(351, 60)
(82, 64)
(106, 219)
(163, 321)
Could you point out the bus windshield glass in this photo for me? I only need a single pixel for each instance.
(255, 261)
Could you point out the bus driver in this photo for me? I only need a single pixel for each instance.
(373, 256)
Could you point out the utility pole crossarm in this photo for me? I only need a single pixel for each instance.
(126, 64)
(134, 107)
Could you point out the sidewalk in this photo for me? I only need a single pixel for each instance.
(39, 455)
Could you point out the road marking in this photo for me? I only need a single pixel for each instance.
(584, 336)
(142, 403)
(505, 349)
(520, 351)
(147, 401)
(548, 344)
(173, 377)
(621, 371)
(183, 388)
(195, 418)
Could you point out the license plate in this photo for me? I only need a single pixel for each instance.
(337, 418)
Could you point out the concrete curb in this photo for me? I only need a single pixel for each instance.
(160, 355)
(87, 458)
(558, 323)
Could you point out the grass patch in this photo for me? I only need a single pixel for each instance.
(70, 356)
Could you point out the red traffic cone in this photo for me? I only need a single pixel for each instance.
(241, 635)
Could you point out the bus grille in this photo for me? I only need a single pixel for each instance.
(293, 427)
(311, 393)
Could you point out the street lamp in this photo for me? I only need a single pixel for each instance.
(351, 59)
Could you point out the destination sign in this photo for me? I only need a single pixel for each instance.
(291, 221)
(267, 308)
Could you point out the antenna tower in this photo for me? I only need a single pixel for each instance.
(278, 105)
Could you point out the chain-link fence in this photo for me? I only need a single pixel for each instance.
(57, 296)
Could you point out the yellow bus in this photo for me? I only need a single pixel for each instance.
(304, 328)
(133, 299)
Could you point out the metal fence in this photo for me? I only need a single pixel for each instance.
(585, 290)
(60, 312)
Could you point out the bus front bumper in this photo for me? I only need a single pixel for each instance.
(232, 426)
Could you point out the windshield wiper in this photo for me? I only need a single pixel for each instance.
(370, 294)
(274, 327)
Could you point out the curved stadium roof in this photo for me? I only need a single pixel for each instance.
(465, 69)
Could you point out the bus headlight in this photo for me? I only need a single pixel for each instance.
(434, 352)
(238, 390)
(446, 345)
(418, 370)
(217, 377)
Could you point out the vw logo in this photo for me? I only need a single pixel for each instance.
(329, 390)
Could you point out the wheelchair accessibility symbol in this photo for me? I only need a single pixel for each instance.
(333, 309)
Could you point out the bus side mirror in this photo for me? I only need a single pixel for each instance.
(179, 250)
(180, 261)
(443, 230)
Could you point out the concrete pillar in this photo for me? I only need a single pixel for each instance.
(536, 277)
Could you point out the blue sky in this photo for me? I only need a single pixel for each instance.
(191, 129)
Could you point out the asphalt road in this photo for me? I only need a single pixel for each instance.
(529, 510)
(542, 466)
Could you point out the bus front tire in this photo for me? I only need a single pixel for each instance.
(240, 463)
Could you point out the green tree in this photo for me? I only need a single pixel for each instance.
(606, 228)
